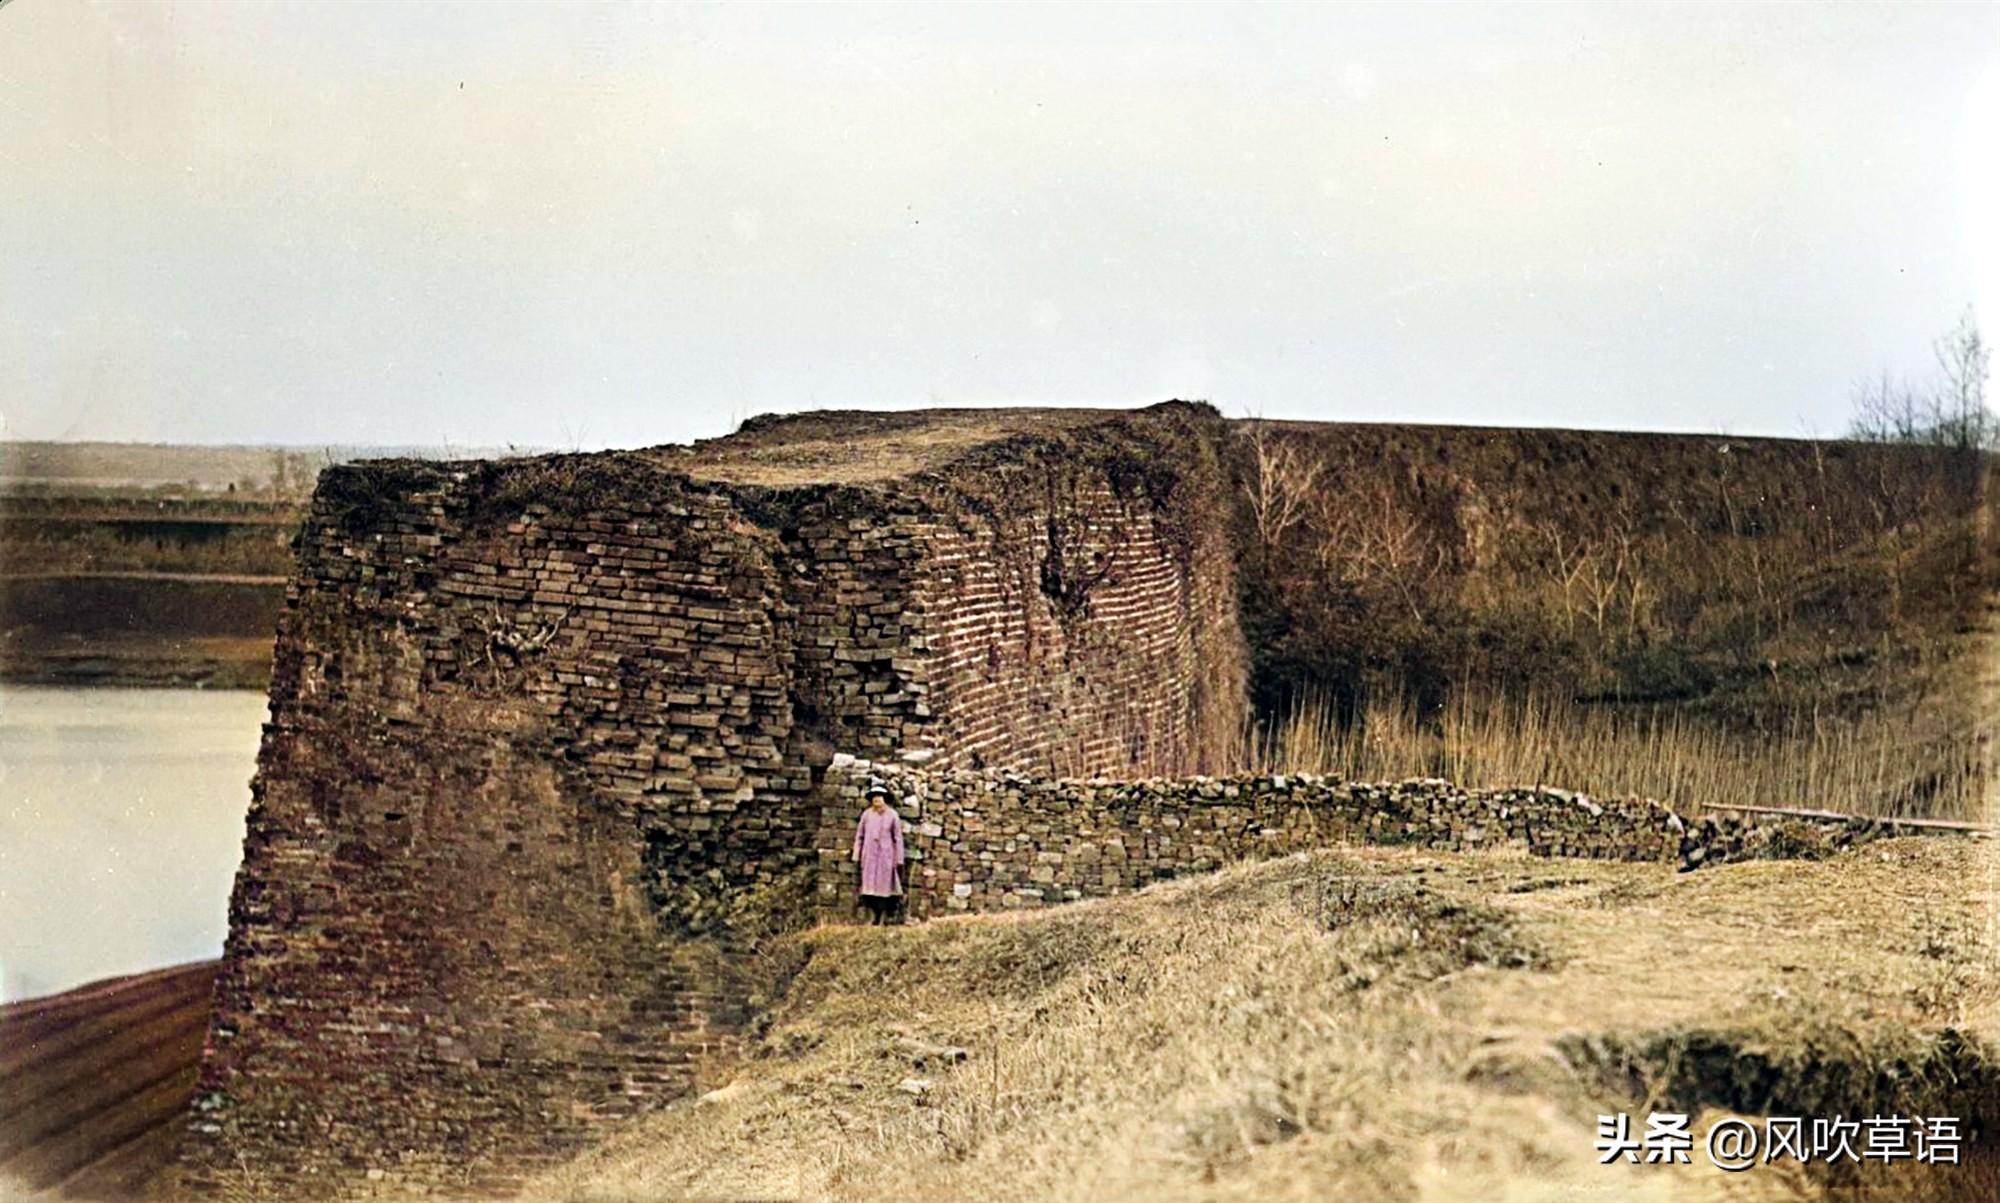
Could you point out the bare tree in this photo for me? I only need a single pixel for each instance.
(1948, 411)
(1639, 592)
(1609, 572)
(1887, 410)
(1963, 360)
(1598, 578)
(1368, 536)
(1283, 485)
(1564, 562)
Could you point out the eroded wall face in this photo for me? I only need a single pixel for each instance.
(1065, 608)
(1078, 638)
(512, 762)
(543, 753)
(1085, 622)
(861, 675)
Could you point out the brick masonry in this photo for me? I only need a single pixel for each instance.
(544, 744)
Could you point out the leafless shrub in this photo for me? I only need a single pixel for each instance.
(1281, 485)
(1367, 536)
(1947, 411)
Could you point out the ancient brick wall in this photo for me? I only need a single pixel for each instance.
(551, 739)
(1052, 604)
(510, 749)
(1089, 627)
(543, 748)
(849, 570)
(988, 841)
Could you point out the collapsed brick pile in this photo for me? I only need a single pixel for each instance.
(1720, 838)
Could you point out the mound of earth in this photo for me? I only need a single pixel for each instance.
(1356, 1023)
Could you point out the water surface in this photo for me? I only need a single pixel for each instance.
(121, 824)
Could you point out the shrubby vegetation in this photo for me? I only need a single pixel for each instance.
(1755, 603)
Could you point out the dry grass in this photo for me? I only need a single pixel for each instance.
(1913, 763)
(1371, 1023)
(857, 447)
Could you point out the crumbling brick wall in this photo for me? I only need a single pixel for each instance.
(1051, 604)
(545, 734)
(849, 569)
(1083, 612)
(510, 747)
(550, 739)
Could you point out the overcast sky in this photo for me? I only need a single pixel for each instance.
(621, 225)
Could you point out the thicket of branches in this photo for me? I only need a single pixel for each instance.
(1779, 568)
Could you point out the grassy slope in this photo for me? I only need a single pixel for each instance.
(1368, 1023)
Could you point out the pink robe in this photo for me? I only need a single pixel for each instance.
(878, 845)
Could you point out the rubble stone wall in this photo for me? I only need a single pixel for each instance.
(1000, 841)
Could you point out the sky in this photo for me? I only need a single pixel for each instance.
(599, 225)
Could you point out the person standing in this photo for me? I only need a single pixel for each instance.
(878, 847)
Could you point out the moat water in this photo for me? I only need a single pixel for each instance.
(121, 824)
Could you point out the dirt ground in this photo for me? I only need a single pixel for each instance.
(1359, 1022)
(855, 446)
(1365, 1023)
